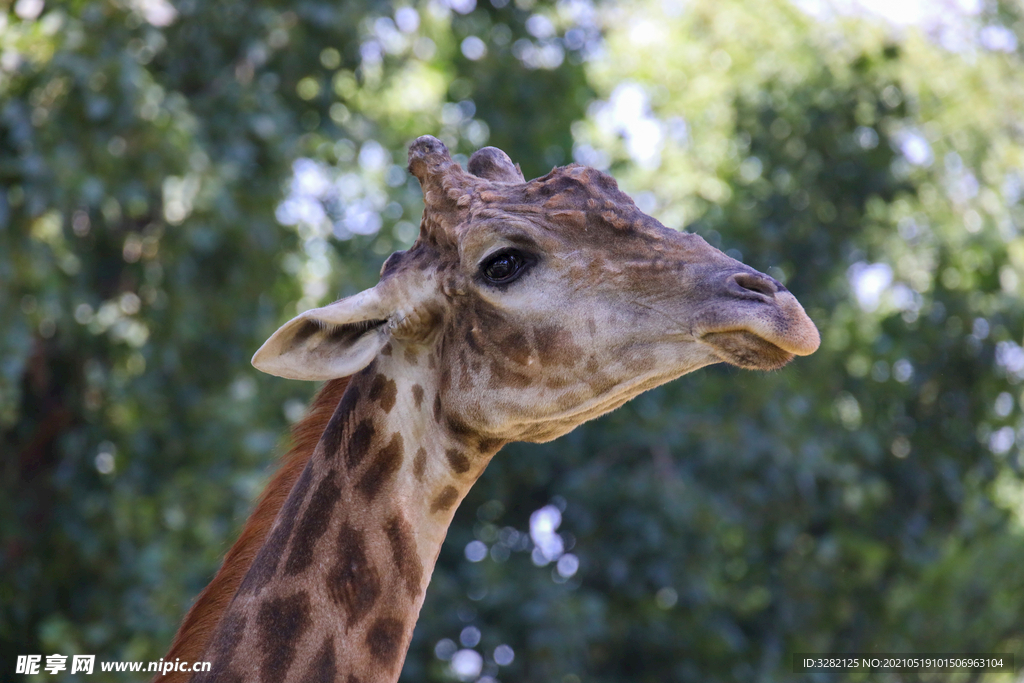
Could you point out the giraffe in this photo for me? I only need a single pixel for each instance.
(522, 310)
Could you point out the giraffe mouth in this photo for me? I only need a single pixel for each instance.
(745, 349)
(761, 333)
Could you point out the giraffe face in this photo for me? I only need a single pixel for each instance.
(543, 304)
(546, 322)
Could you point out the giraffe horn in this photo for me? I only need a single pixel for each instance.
(442, 179)
(494, 165)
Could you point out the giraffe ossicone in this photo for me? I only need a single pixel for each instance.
(522, 310)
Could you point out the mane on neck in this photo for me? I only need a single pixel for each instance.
(201, 621)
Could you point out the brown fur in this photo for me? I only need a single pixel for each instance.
(201, 621)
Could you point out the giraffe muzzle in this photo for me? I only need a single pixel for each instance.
(764, 328)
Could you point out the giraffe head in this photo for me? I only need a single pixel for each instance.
(539, 305)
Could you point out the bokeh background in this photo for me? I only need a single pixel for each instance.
(179, 177)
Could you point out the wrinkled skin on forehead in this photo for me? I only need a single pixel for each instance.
(605, 302)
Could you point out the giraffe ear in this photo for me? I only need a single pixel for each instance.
(330, 342)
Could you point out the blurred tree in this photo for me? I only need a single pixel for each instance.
(176, 180)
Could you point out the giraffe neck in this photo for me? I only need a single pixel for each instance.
(334, 593)
(197, 628)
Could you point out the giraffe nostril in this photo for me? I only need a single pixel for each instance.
(755, 282)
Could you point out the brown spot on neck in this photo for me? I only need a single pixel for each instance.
(458, 460)
(313, 525)
(384, 466)
(417, 395)
(384, 390)
(353, 584)
(384, 640)
(359, 443)
(403, 550)
(281, 623)
(419, 464)
(445, 499)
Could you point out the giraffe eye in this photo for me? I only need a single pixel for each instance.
(503, 267)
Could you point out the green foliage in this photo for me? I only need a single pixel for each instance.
(152, 234)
